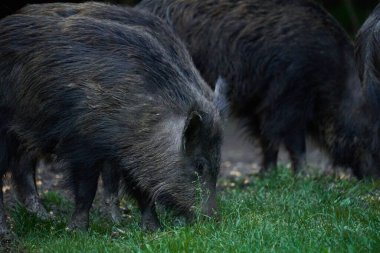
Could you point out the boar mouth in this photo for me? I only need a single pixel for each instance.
(181, 207)
(191, 210)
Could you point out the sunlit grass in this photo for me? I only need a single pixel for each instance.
(276, 214)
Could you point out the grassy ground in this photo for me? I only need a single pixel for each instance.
(275, 214)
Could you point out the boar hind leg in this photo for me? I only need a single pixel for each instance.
(3, 217)
(4, 230)
(296, 145)
(6, 236)
(85, 181)
(111, 184)
(23, 175)
(270, 154)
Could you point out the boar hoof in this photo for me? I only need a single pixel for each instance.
(115, 214)
(150, 225)
(78, 223)
(34, 205)
(43, 214)
(6, 236)
(6, 240)
(112, 211)
(76, 227)
(264, 172)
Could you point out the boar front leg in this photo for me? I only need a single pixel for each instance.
(296, 145)
(111, 183)
(23, 175)
(85, 182)
(270, 154)
(149, 219)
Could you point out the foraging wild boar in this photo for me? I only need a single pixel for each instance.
(290, 70)
(117, 14)
(98, 92)
(367, 52)
(367, 55)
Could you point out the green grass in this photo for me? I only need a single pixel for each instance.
(275, 214)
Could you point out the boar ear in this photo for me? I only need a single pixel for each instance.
(220, 97)
(191, 133)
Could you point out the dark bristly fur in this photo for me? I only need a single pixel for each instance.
(367, 56)
(366, 45)
(117, 14)
(99, 91)
(367, 53)
(291, 71)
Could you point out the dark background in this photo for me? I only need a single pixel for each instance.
(350, 13)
